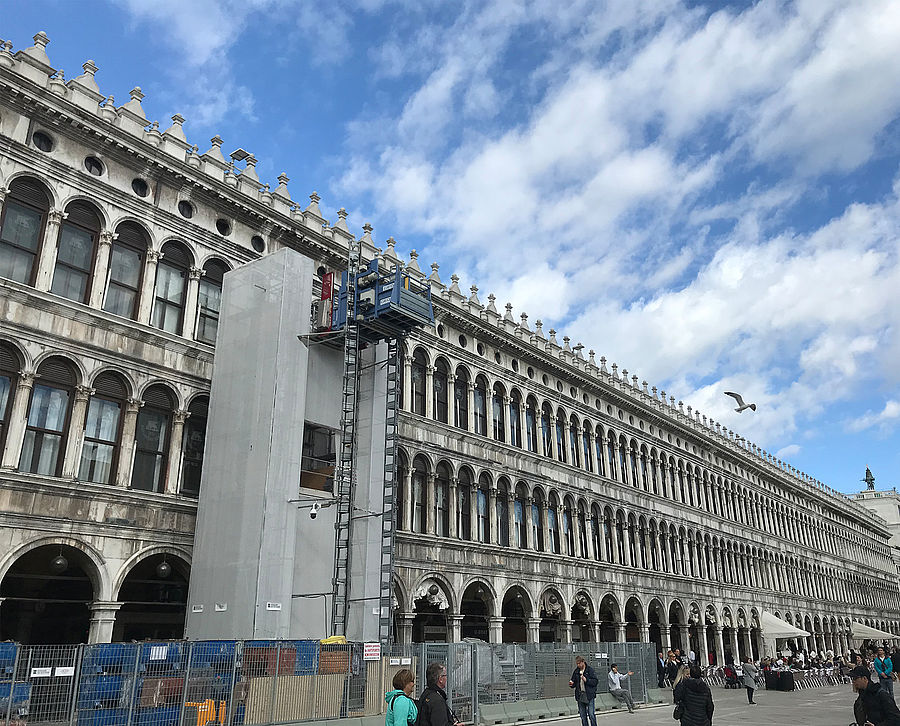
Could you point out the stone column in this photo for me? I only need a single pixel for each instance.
(529, 524)
(148, 287)
(473, 512)
(191, 302)
(455, 625)
(665, 637)
(720, 646)
(407, 383)
(493, 519)
(576, 534)
(511, 515)
(620, 632)
(75, 437)
(507, 420)
(545, 525)
(470, 393)
(734, 645)
(534, 630)
(176, 446)
(406, 627)
(18, 414)
(703, 656)
(644, 632)
(101, 269)
(49, 246)
(430, 524)
(685, 631)
(523, 425)
(103, 619)
(126, 455)
(495, 630)
(407, 502)
(429, 392)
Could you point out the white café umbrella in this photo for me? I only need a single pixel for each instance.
(859, 631)
(774, 628)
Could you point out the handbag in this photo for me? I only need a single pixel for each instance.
(678, 712)
(583, 697)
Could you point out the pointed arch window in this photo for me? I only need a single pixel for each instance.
(48, 418)
(598, 449)
(596, 528)
(103, 429)
(171, 287)
(209, 301)
(442, 501)
(573, 442)
(623, 473)
(76, 250)
(568, 532)
(632, 453)
(152, 440)
(126, 267)
(193, 446)
(537, 524)
(502, 515)
(22, 226)
(560, 433)
(418, 497)
(481, 509)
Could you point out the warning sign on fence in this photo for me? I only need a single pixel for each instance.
(372, 651)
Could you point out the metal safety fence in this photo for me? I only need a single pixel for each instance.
(255, 683)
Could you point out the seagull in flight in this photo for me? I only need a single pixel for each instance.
(740, 402)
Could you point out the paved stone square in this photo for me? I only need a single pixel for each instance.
(831, 706)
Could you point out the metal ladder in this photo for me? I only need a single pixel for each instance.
(388, 525)
(344, 477)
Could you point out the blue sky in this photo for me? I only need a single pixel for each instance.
(707, 194)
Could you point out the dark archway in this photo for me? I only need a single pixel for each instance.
(515, 613)
(46, 597)
(154, 594)
(430, 607)
(476, 609)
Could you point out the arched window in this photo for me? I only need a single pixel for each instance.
(48, 418)
(151, 456)
(537, 523)
(126, 267)
(623, 446)
(582, 532)
(611, 452)
(461, 399)
(464, 505)
(560, 433)
(78, 236)
(481, 406)
(497, 418)
(22, 229)
(440, 392)
(596, 529)
(515, 425)
(103, 429)
(586, 435)
(209, 301)
(573, 442)
(400, 498)
(519, 518)
(481, 509)
(442, 500)
(546, 430)
(553, 525)
(419, 475)
(632, 453)
(568, 532)
(598, 449)
(502, 515)
(417, 381)
(531, 436)
(10, 365)
(171, 286)
(194, 443)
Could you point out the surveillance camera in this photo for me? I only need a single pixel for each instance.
(314, 510)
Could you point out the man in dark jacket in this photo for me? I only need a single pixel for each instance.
(695, 699)
(433, 707)
(660, 670)
(873, 704)
(584, 681)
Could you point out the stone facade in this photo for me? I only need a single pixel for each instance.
(545, 496)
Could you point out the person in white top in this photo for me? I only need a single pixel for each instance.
(615, 679)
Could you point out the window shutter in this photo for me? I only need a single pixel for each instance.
(57, 370)
(9, 359)
(176, 255)
(31, 192)
(131, 235)
(110, 385)
(199, 407)
(83, 215)
(159, 397)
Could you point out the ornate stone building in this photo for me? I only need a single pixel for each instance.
(545, 496)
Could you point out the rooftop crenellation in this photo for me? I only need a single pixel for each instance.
(83, 91)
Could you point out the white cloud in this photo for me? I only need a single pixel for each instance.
(888, 416)
(788, 451)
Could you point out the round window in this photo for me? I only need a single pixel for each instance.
(559, 386)
(572, 392)
(585, 399)
(480, 349)
(462, 341)
(621, 416)
(223, 226)
(140, 187)
(93, 165)
(514, 364)
(530, 372)
(609, 409)
(631, 420)
(545, 379)
(440, 331)
(256, 242)
(641, 425)
(42, 141)
(669, 438)
(497, 357)
(185, 209)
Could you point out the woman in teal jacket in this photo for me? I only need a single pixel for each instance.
(402, 710)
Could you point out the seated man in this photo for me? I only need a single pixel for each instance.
(614, 678)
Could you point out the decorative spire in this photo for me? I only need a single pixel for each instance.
(413, 262)
(473, 298)
(434, 277)
(509, 316)
(491, 307)
(282, 190)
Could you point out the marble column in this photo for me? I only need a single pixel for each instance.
(429, 392)
(473, 512)
(495, 630)
(685, 631)
(644, 632)
(720, 645)
(511, 516)
(470, 392)
(492, 518)
(148, 286)
(564, 631)
(49, 247)
(101, 269)
(455, 625)
(430, 524)
(703, 656)
(75, 437)
(507, 420)
(665, 638)
(15, 434)
(126, 453)
(453, 507)
(191, 302)
(103, 620)
(534, 630)
(529, 525)
(405, 627)
(545, 525)
(620, 632)
(176, 446)
(407, 502)
(407, 383)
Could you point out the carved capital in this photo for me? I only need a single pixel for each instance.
(83, 393)
(26, 378)
(133, 405)
(196, 273)
(3, 192)
(153, 257)
(56, 216)
(181, 416)
(107, 237)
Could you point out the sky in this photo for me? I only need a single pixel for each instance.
(707, 194)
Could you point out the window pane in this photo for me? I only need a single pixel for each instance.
(147, 471)
(40, 453)
(5, 387)
(15, 264)
(125, 266)
(102, 420)
(21, 227)
(210, 295)
(69, 283)
(169, 283)
(76, 247)
(96, 462)
(119, 300)
(151, 430)
(48, 408)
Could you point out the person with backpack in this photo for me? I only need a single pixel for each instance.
(434, 709)
(402, 709)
